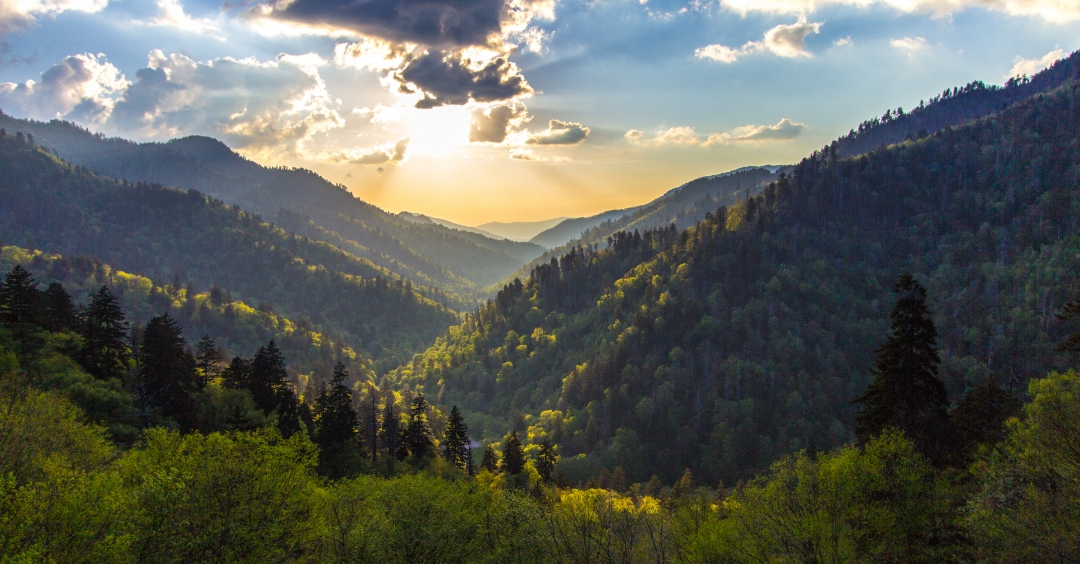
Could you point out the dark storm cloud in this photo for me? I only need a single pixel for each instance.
(441, 23)
(451, 79)
(143, 98)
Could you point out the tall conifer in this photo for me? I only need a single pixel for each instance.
(167, 372)
(105, 352)
(456, 440)
(906, 392)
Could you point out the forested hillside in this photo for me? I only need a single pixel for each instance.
(683, 207)
(722, 347)
(953, 107)
(454, 260)
(185, 237)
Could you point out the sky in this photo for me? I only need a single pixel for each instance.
(510, 110)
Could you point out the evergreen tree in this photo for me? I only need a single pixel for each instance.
(105, 352)
(57, 309)
(490, 460)
(373, 425)
(391, 428)
(340, 444)
(906, 392)
(417, 437)
(268, 377)
(1070, 312)
(513, 459)
(546, 460)
(207, 356)
(456, 440)
(290, 417)
(237, 375)
(167, 372)
(19, 298)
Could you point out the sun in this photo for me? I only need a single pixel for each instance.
(438, 131)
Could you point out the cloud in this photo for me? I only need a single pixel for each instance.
(783, 41)
(171, 13)
(782, 131)
(390, 153)
(560, 133)
(381, 114)
(529, 155)
(1050, 10)
(273, 106)
(909, 44)
(456, 78)
(1028, 67)
(843, 42)
(15, 14)
(446, 24)
(492, 124)
(81, 87)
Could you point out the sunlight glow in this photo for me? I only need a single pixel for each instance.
(438, 131)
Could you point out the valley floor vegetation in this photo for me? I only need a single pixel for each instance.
(122, 444)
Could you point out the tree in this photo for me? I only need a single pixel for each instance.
(207, 357)
(417, 437)
(391, 428)
(979, 417)
(513, 459)
(906, 392)
(268, 377)
(336, 433)
(237, 374)
(167, 372)
(19, 298)
(490, 460)
(290, 413)
(105, 353)
(546, 460)
(1070, 312)
(57, 309)
(456, 440)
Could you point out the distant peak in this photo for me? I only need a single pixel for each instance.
(202, 147)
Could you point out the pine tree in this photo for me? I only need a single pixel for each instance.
(268, 377)
(57, 309)
(513, 459)
(207, 356)
(546, 460)
(237, 375)
(340, 443)
(456, 439)
(105, 353)
(391, 428)
(167, 372)
(417, 437)
(19, 298)
(373, 425)
(289, 414)
(490, 460)
(906, 392)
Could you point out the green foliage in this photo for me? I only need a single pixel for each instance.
(513, 455)
(167, 378)
(724, 346)
(1028, 506)
(455, 444)
(417, 440)
(341, 447)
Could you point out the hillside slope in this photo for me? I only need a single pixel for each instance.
(725, 345)
(166, 233)
(452, 259)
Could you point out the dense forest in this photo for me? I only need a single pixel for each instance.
(456, 261)
(860, 358)
(722, 347)
(183, 236)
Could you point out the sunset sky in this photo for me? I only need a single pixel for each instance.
(510, 110)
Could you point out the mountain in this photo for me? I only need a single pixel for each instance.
(520, 230)
(572, 228)
(426, 220)
(682, 206)
(459, 262)
(722, 346)
(170, 234)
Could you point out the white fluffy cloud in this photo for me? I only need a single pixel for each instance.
(909, 44)
(1050, 10)
(782, 131)
(81, 87)
(171, 13)
(559, 133)
(1028, 67)
(389, 153)
(18, 13)
(782, 41)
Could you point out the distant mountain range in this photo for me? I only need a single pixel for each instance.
(520, 230)
(428, 220)
(298, 200)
